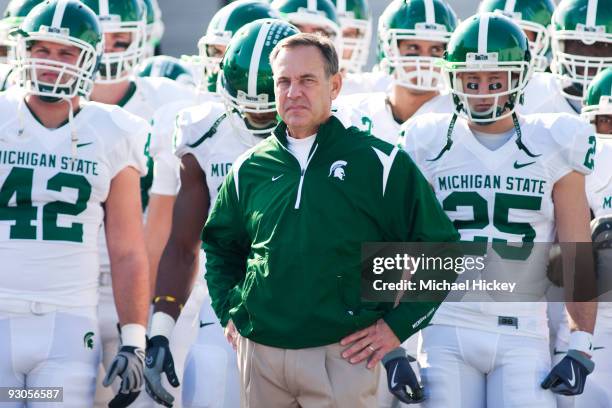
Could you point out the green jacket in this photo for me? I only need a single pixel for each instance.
(283, 247)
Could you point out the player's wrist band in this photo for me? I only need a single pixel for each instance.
(162, 324)
(581, 341)
(133, 334)
(168, 299)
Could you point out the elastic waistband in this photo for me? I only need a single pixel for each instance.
(18, 306)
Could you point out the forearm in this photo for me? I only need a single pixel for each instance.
(582, 316)
(177, 271)
(157, 230)
(131, 287)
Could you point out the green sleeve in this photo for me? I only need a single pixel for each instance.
(226, 244)
(416, 216)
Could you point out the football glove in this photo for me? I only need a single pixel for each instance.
(159, 360)
(400, 375)
(128, 364)
(569, 375)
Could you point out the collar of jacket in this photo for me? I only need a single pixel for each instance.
(327, 128)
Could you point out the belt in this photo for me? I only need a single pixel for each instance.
(29, 307)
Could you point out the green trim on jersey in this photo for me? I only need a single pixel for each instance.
(128, 94)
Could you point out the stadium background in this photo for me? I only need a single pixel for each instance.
(186, 21)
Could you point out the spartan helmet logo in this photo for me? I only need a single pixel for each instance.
(337, 169)
(88, 340)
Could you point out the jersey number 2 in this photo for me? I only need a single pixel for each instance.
(18, 184)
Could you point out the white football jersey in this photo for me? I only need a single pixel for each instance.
(504, 196)
(6, 71)
(599, 183)
(166, 178)
(215, 138)
(51, 202)
(365, 82)
(383, 125)
(543, 95)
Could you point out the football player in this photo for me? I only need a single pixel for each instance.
(163, 66)
(66, 167)
(356, 33)
(598, 111)
(124, 26)
(474, 159)
(15, 12)
(534, 17)
(220, 30)
(413, 37)
(210, 138)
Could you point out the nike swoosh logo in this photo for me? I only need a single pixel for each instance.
(277, 177)
(572, 381)
(202, 324)
(598, 348)
(393, 382)
(518, 165)
(83, 144)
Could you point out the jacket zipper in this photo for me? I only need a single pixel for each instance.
(302, 172)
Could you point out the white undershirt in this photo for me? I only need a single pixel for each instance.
(493, 141)
(300, 148)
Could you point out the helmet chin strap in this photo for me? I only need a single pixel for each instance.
(517, 130)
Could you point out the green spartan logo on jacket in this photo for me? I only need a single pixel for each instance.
(88, 340)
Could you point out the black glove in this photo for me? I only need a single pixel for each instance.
(159, 360)
(400, 375)
(569, 375)
(128, 364)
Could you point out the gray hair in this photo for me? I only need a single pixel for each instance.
(322, 43)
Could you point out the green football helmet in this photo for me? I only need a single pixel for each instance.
(588, 22)
(354, 15)
(224, 24)
(166, 67)
(598, 98)
(62, 21)
(488, 42)
(120, 16)
(427, 20)
(15, 12)
(533, 16)
(318, 13)
(154, 26)
(245, 80)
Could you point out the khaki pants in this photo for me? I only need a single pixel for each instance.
(316, 377)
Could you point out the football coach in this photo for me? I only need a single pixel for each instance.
(283, 244)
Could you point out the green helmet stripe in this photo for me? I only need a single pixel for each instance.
(509, 6)
(483, 33)
(58, 15)
(103, 7)
(256, 57)
(591, 13)
(430, 12)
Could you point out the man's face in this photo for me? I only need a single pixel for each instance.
(597, 49)
(352, 33)
(261, 120)
(420, 48)
(117, 42)
(603, 123)
(484, 83)
(54, 52)
(314, 29)
(303, 91)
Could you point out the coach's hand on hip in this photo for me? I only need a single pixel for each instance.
(371, 343)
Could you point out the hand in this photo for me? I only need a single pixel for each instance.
(159, 360)
(128, 364)
(569, 375)
(231, 334)
(400, 375)
(373, 342)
